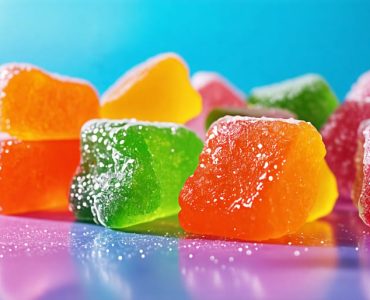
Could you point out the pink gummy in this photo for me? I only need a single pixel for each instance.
(362, 187)
(359, 158)
(216, 92)
(340, 138)
(340, 134)
(361, 89)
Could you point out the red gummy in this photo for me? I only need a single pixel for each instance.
(340, 138)
(361, 190)
(340, 135)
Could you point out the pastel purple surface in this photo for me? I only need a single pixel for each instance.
(51, 257)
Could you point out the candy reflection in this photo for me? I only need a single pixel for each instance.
(114, 264)
(219, 269)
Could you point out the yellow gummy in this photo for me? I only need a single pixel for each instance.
(157, 90)
(327, 196)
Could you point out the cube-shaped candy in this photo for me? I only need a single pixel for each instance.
(308, 96)
(257, 179)
(361, 188)
(132, 172)
(250, 111)
(36, 175)
(340, 138)
(157, 90)
(216, 91)
(36, 105)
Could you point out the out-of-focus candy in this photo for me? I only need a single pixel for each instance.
(340, 134)
(132, 172)
(361, 188)
(360, 91)
(359, 161)
(157, 90)
(216, 91)
(36, 175)
(257, 179)
(35, 105)
(308, 96)
(250, 111)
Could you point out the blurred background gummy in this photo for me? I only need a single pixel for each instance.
(250, 42)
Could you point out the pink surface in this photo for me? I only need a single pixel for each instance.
(48, 257)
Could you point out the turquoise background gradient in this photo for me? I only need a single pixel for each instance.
(251, 42)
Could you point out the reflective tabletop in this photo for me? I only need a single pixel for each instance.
(50, 256)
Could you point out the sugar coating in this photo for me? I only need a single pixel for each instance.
(288, 88)
(156, 90)
(308, 96)
(132, 172)
(257, 178)
(340, 138)
(5, 136)
(201, 79)
(359, 162)
(361, 191)
(37, 105)
(137, 73)
(360, 90)
(250, 111)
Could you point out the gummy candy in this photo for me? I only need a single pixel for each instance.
(340, 136)
(35, 105)
(215, 92)
(132, 172)
(360, 91)
(308, 96)
(359, 161)
(257, 179)
(250, 111)
(36, 175)
(157, 90)
(361, 190)
(327, 195)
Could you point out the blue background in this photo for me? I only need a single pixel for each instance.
(251, 42)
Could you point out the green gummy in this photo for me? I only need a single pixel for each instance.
(132, 172)
(250, 111)
(308, 96)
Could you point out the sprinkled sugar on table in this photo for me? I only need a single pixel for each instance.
(47, 256)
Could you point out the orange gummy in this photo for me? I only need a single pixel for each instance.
(157, 90)
(36, 175)
(257, 179)
(35, 105)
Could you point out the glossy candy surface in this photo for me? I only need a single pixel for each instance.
(257, 179)
(36, 105)
(308, 96)
(132, 172)
(36, 175)
(157, 90)
(215, 91)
